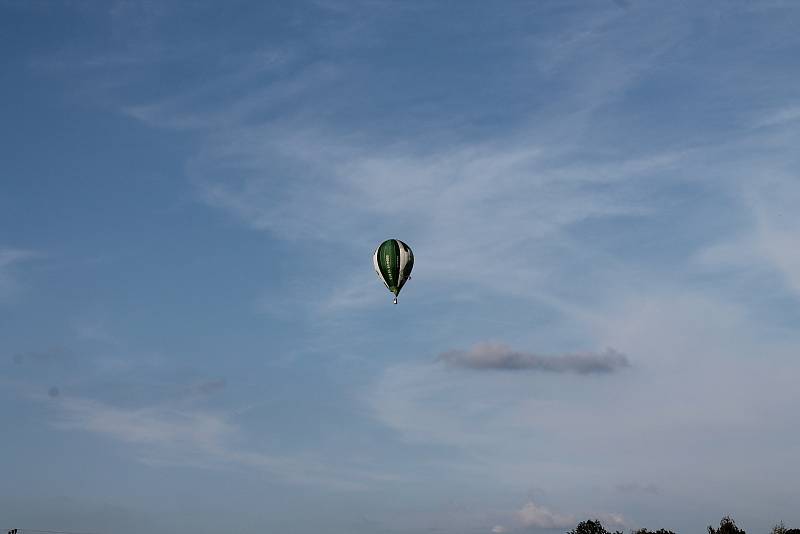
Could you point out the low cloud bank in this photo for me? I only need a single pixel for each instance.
(502, 357)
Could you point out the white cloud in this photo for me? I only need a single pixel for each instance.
(612, 520)
(537, 516)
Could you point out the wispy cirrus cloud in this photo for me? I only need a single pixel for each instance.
(169, 428)
(487, 356)
(165, 434)
(41, 357)
(10, 258)
(590, 166)
(639, 488)
(287, 150)
(780, 117)
(210, 386)
(765, 246)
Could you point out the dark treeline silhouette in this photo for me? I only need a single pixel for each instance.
(780, 528)
(591, 527)
(726, 526)
(595, 527)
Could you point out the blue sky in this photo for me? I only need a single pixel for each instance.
(603, 315)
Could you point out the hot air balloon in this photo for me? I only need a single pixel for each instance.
(393, 261)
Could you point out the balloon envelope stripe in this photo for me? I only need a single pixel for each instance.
(389, 259)
(377, 266)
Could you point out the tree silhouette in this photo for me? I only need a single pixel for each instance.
(726, 526)
(591, 527)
